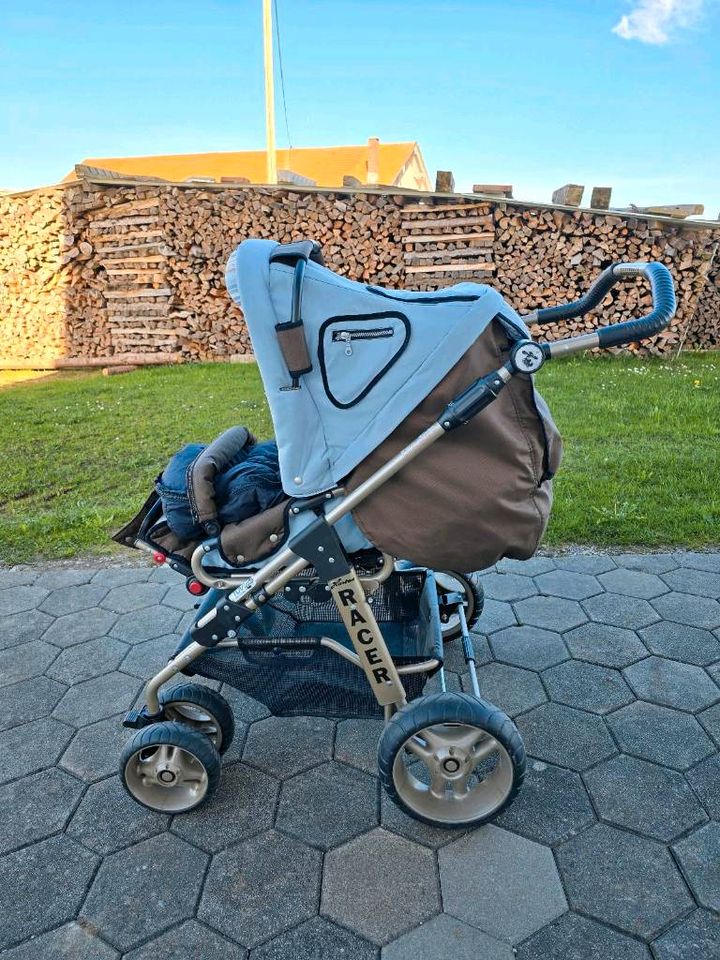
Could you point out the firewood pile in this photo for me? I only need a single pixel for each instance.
(118, 272)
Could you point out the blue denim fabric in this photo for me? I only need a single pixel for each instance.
(248, 486)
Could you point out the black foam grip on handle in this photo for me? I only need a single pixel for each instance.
(664, 304)
(595, 295)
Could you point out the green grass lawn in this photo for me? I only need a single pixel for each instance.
(80, 451)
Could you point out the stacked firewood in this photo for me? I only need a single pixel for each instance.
(100, 270)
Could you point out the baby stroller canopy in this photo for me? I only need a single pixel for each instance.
(375, 355)
(353, 373)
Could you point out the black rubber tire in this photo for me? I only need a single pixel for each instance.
(168, 733)
(473, 590)
(209, 700)
(438, 708)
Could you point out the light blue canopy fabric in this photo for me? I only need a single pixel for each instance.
(376, 354)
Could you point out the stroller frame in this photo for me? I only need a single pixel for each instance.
(319, 546)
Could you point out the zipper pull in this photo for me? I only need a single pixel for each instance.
(346, 338)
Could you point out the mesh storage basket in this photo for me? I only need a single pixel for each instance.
(280, 661)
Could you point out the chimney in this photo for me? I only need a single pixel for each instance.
(373, 160)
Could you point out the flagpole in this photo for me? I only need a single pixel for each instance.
(269, 93)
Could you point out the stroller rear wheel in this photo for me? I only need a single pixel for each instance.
(202, 709)
(451, 760)
(468, 584)
(170, 767)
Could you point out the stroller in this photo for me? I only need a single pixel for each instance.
(408, 426)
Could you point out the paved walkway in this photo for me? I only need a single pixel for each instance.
(611, 667)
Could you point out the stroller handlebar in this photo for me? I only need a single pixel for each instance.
(617, 334)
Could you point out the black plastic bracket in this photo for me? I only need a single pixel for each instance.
(320, 545)
(476, 397)
(137, 719)
(228, 617)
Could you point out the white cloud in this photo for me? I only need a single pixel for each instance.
(657, 21)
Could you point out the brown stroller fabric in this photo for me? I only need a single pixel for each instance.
(483, 491)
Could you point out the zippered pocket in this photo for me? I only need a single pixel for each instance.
(357, 350)
(348, 336)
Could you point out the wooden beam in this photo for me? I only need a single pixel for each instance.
(454, 268)
(568, 196)
(482, 221)
(444, 182)
(486, 237)
(600, 198)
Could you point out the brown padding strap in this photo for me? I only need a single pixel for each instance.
(203, 470)
(291, 338)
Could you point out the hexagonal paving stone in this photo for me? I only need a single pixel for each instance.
(699, 857)
(178, 598)
(527, 568)
(699, 560)
(660, 734)
(644, 797)
(36, 806)
(672, 684)
(243, 806)
(143, 660)
(647, 562)
(551, 806)
(355, 874)
(95, 750)
(605, 645)
(680, 642)
(59, 577)
(41, 886)
(446, 938)
(69, 942)
(190, 940)
(591, 563)
(393, 819)
(19, 599)
(565, 736)
(633, 583)
(118, 576)
(87, 660)
(568, 584)
(696, 937)
(705, 781)
(328, 805)
(699, 582)
(356, 743)
(316, 939)
(508, 586)
(77, 628)
(500, 882)
(134, 596)
(528, 647)
(145, 624)
(261, 887)
(32, 746)
(286, 746)
(684, 608)
(496, 615)
(25, 661)
(29, 700)
(22, 627)
(550, 613)
(17, 577)
(710, 720)
(618, 611)
(108, 819)
(587, 686)
(69, 600)
(624, 880)
(577, 938)
(93, 699)
(144, 890)
(510, 688)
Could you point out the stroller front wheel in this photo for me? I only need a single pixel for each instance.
(201, 709)
(469, 585)
(451, 760)
(170, 767)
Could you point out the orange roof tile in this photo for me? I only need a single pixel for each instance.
(325, 165)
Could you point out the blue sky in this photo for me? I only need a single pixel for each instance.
(535, 94)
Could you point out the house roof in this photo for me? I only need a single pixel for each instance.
(325, 165)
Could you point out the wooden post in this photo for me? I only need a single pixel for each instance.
(600, 198)
(269, 93)
(494, 189)
(568, 196)
(444, 182)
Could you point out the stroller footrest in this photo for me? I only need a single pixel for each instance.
(137, 719)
